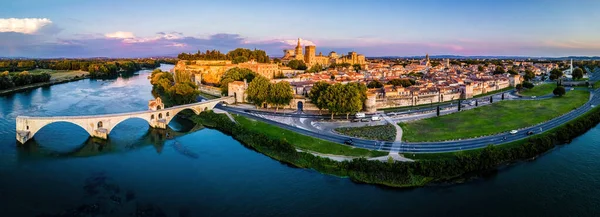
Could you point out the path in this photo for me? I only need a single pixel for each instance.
(397, 142)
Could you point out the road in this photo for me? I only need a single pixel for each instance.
(430, 147)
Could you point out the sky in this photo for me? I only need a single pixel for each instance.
(143, 28)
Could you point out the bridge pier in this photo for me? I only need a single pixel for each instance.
(100, 133)
(159, 124)
(23, 136)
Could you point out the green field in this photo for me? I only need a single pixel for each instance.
(306, 142)
(60, 74)
(492, 119)
(380, 132)
(539, 90)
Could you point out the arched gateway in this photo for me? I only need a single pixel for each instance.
(101, 125)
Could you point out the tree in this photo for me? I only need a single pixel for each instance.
(297, 64)
(357, 67)
(499, 70)
(6, 81)
(577, 73)
(184, 92)
(362, 90)
(480, 68)
(512, 72)
(352, 99)
(332, 100)
(556, 74)
(235, 74)
(559, 91)
(280, 94)
(239, 59)
(277, 60)
(528, 85)
(519, 87)
(529, 75)
(315, 93)
(258, 91)
(315, 68)
(374, 84)
(401, 82)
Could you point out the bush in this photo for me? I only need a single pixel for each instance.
(559, 91)
(528, 85)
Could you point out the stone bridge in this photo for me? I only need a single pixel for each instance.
(101, 125)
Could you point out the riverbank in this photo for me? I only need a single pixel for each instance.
(42, 84)
(429, 169)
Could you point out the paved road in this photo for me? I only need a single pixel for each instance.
(433, 147)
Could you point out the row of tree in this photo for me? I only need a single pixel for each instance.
(238, 55)
(23, 78)
(261, 91)
(397, 82)
(79, 64)
(338, 98)
(177, 93)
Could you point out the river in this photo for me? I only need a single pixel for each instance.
(202, 172)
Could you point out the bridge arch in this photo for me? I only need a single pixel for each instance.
(126, 120)
(34, 128)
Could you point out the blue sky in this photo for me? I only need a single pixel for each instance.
(134, 28)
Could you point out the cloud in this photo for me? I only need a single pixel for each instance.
(24, 25)
(120, 35)
(294, 42)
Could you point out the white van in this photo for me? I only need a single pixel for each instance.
(360, 115)
(375, 118)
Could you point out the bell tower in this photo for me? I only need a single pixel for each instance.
(299, 54)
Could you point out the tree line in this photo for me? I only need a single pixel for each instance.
(239, 55)
(21, 79)
(77, 64)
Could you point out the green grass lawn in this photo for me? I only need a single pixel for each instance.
(492, 119)
(596, 85)
(380, 132)
(539, 90)
(304, 142)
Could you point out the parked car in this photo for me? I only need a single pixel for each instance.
(349, 142)
(360, 115)
(514, 132)
(533, 97)
(530, 133)
(364, 120)
(375, 118)
(355, 120)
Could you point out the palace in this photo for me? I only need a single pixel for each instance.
(210, 71)
(310, 58)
